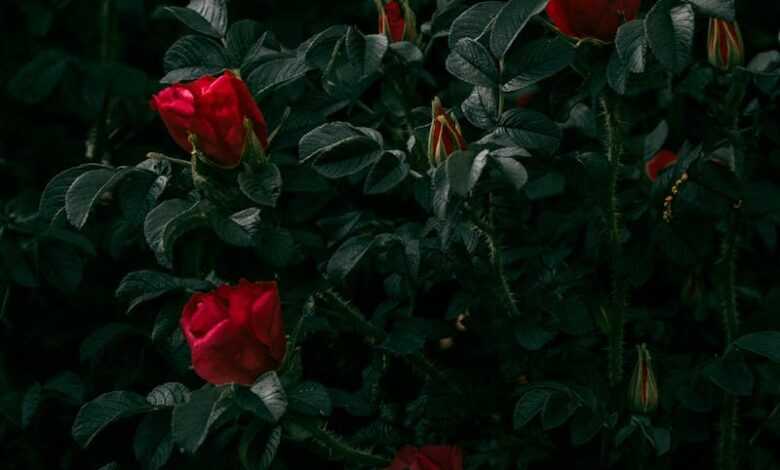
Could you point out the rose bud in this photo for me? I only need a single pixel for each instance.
(725, 48)
(643, 390)
(235, 333)
(596, 19)
(216, 114)
(445, 136)
(660, 161)
(428, 458)
(396, 20)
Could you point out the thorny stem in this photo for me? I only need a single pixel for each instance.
(338, 446)
(618, 293)
(729, 421)
(497, 262)
(376, 335)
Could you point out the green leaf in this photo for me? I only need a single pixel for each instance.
(238, 229)
(733, 376)
(670, 34)
(538, 60)
(528, 406)
(53, 196)
(662, 440)
(718, 8)
(558, 408)
(31, 403)
(310, 398)
(94, 416)
(214, 11)
(319, 50)
(471, 62)
(167, 222)
(511, 21)
(464, 169)
(514, 171)
(473, 22)
(142, 286)
(263, 185)
(631, 45)
(93, 345)
(365, 52)
(190, 18)
(386, 173)
(407, 337)
(168, 395)
(36, 80)
(530, 129)
(763, 343)
(67, 385)
(192, 420)
(481, 107)
(275, 73)
(549, 185)
(86, 191)
(192, 57)
(339, 149)
(250, 456)
(656, 140)
(270, 390)
(242, 37)
(533, 337)
(348, 256)
(277, 247)
(153, 443)
(584, 427)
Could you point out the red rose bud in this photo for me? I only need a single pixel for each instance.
(725, 48)
(396, 20)
(445, 136)
(217, 113)
(235, 333)
(643, 390)
(660, 161)
(599, 19)
(428, 458)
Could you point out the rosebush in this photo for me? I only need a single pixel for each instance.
(394, 234)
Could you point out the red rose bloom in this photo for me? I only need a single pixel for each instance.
(445, 136)
(599, 19)
(396, 21)
(428, 458)
(662, 160)
(235, 333)
(725, 48)
(213, 110)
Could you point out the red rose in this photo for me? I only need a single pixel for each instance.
(662, 160)
(445, 136)
(235, 333)
(599, 19)
(396, 21)
(216, 111)
(428, 458)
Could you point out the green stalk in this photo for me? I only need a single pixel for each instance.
(618, 290)
(729, 420)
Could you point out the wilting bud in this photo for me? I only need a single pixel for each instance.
(445, 136)
(396, 20)
(643, 390)
(725, 48)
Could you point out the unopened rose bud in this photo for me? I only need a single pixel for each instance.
(725, 49)
(445, 136)
(396, 20)
(643, 390)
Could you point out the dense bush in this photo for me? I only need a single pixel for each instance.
(408, 233)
